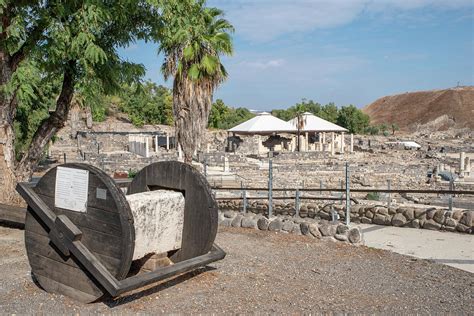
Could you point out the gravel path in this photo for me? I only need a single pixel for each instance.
(264, 272)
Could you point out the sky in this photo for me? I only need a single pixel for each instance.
(341, 51)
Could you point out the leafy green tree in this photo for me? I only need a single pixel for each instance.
(225, 117)
(147, 104)
(329, 112)
(192, 45)
(395, 128)
(353, 119)
(51, 50)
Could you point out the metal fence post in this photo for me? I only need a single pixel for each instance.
(348, 196)
(389, 196)
(270, 188)
(297, 202)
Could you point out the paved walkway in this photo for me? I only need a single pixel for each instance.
(453, 249)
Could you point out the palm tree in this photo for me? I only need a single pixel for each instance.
(193, 39)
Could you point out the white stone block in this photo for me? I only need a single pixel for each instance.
(158, 220)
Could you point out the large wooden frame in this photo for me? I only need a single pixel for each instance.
(84, 257)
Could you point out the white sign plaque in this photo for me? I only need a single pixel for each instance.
(71, 189)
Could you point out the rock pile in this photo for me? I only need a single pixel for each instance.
(286, 224)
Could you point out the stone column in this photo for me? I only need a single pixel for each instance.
(208, 148)
(147, 148)
(306, 142)
(467, 166)
(352, 143)
(462, 157)
(342, 143)
(320, 141)
(332, 143)
(226, 164)
(167, 142)
(180, 152)
(156, 143)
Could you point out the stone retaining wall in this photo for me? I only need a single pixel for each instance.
(286, 224)
(414, 217)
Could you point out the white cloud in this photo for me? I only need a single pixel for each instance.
(264, 20)
(272, 63)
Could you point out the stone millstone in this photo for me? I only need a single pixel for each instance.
(158, 220)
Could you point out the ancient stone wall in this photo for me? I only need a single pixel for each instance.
(309, 227)
(413, 217)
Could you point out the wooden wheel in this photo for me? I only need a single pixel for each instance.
(200, 209)
(108, 232)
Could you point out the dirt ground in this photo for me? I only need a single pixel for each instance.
(263, 272)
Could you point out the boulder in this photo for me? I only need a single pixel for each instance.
(365, 220)
(399, 220)
(327, 229)
(296, 229)
(275, 225)
(342, 229)
(226, 222)
(451, 222)
(229, 214)
(340, 237)
(463, 228)
(432, 225)
(314, 230)
(413, 223)
(263, 223)
(439, 217)
(381, 219)
(457, 214)
(369, 214)
(249, 222)
(467, 218)
(288, 226)
(430, 213)
(409, 213)
(381, 211)
(354, 235)
(237, 221)
(304, 228)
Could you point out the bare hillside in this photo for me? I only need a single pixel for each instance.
(448, 108)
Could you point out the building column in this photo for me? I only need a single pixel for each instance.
(147, 148)
(352, 143)
(332, 143)
(156, 143)
(462, 157)
(167, 142)
(306, 142)
(320, 135)
(342, 142)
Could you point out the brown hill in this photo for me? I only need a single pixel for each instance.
(442, 108)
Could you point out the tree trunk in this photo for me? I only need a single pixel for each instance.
(192, 101)
(7, 135)
(49, 127)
